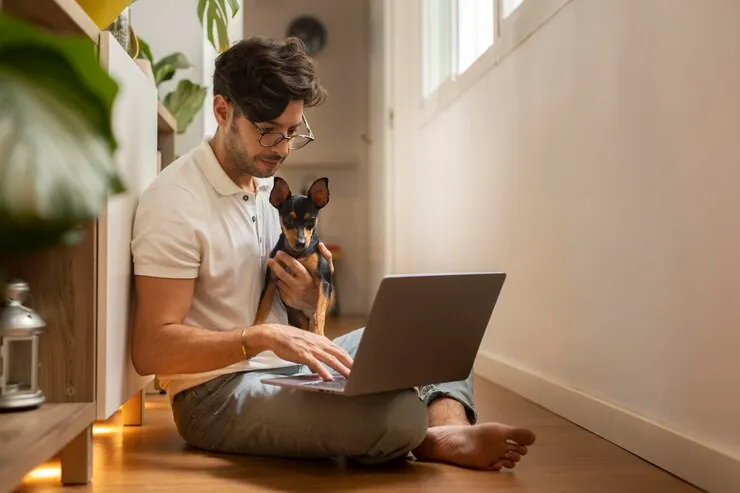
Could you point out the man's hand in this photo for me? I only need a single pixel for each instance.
(296, 286)
(307, 348)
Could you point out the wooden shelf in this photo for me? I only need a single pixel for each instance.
(166, 132)
(30, 438)
(166, 123)
(59, 16)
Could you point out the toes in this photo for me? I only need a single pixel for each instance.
(522, 436)
(507, 463)
(513, 456)
(519, 449)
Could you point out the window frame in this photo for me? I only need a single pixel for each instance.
(508, 34)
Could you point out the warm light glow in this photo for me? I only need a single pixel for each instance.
(156, 404)
(105, 430)
(45, 472)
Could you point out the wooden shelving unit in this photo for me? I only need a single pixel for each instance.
(166, 131)
(59, 16)
(65, 290)
(27, 438)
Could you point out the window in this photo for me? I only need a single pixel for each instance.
(455, 33)
(461, 40)
(509, 6)
(437, 43)
(474, 31)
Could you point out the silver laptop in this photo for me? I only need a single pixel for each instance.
(422, 329)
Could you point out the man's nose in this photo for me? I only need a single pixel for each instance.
(283, 147)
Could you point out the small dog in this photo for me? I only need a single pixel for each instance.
(298, 218)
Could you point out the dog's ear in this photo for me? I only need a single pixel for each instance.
(280, 192)
(319, 192)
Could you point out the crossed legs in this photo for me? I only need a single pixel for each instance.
(236, 413)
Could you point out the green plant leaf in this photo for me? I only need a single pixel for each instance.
(234, 6)
(202, 4)
(165, 69)
(185, 102)
(145, 52)
(177, 60)
(56, 138)
(214, 14)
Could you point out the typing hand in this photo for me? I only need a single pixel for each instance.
(307, 348)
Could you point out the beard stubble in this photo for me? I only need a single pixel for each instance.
(242, 162)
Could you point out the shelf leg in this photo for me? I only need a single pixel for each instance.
(77, 459)
(133, 410)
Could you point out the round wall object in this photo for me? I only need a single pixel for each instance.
(309, 30)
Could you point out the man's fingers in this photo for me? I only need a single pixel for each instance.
(286, 294)
(280, 271)
(316, 366)
(334, 363)
(283, 287)
(327, 255)
(341, 355)
(292, 265)
(325, 251)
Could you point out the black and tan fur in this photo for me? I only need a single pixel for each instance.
(298, 218)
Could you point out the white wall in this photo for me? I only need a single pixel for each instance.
(341, 127)
(381, 145)
(597, 165)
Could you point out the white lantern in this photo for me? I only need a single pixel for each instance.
(20, 330)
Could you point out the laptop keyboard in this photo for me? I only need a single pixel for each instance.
(338, 383)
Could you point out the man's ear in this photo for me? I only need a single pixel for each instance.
(319, 192)
(221, 110)
(280, 192)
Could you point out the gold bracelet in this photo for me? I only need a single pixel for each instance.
(244, 344)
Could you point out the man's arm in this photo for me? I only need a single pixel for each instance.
(162, 344)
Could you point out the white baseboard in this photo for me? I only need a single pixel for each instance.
(695, 462)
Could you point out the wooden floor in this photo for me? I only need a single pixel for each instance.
(566, 459)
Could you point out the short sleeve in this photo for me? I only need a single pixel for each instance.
(166, 234)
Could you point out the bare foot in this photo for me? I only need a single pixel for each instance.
(488, 446)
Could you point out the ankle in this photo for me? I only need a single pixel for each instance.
(448, 422)
(445, 411)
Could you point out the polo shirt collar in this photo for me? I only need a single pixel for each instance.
(218, 178)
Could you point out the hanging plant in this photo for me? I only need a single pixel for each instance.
(57, 144)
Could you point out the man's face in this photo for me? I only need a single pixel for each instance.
(243, 150)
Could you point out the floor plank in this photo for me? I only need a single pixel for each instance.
(566, 459)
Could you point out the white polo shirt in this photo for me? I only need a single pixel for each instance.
(193, 221)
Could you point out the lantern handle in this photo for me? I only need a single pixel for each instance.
(16, 291)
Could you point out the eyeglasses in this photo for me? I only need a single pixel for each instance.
(271, 138)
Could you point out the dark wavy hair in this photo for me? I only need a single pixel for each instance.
(262, 75)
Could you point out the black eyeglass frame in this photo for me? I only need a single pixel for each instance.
(281, 136)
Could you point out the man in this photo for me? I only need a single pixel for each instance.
(202, 236)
